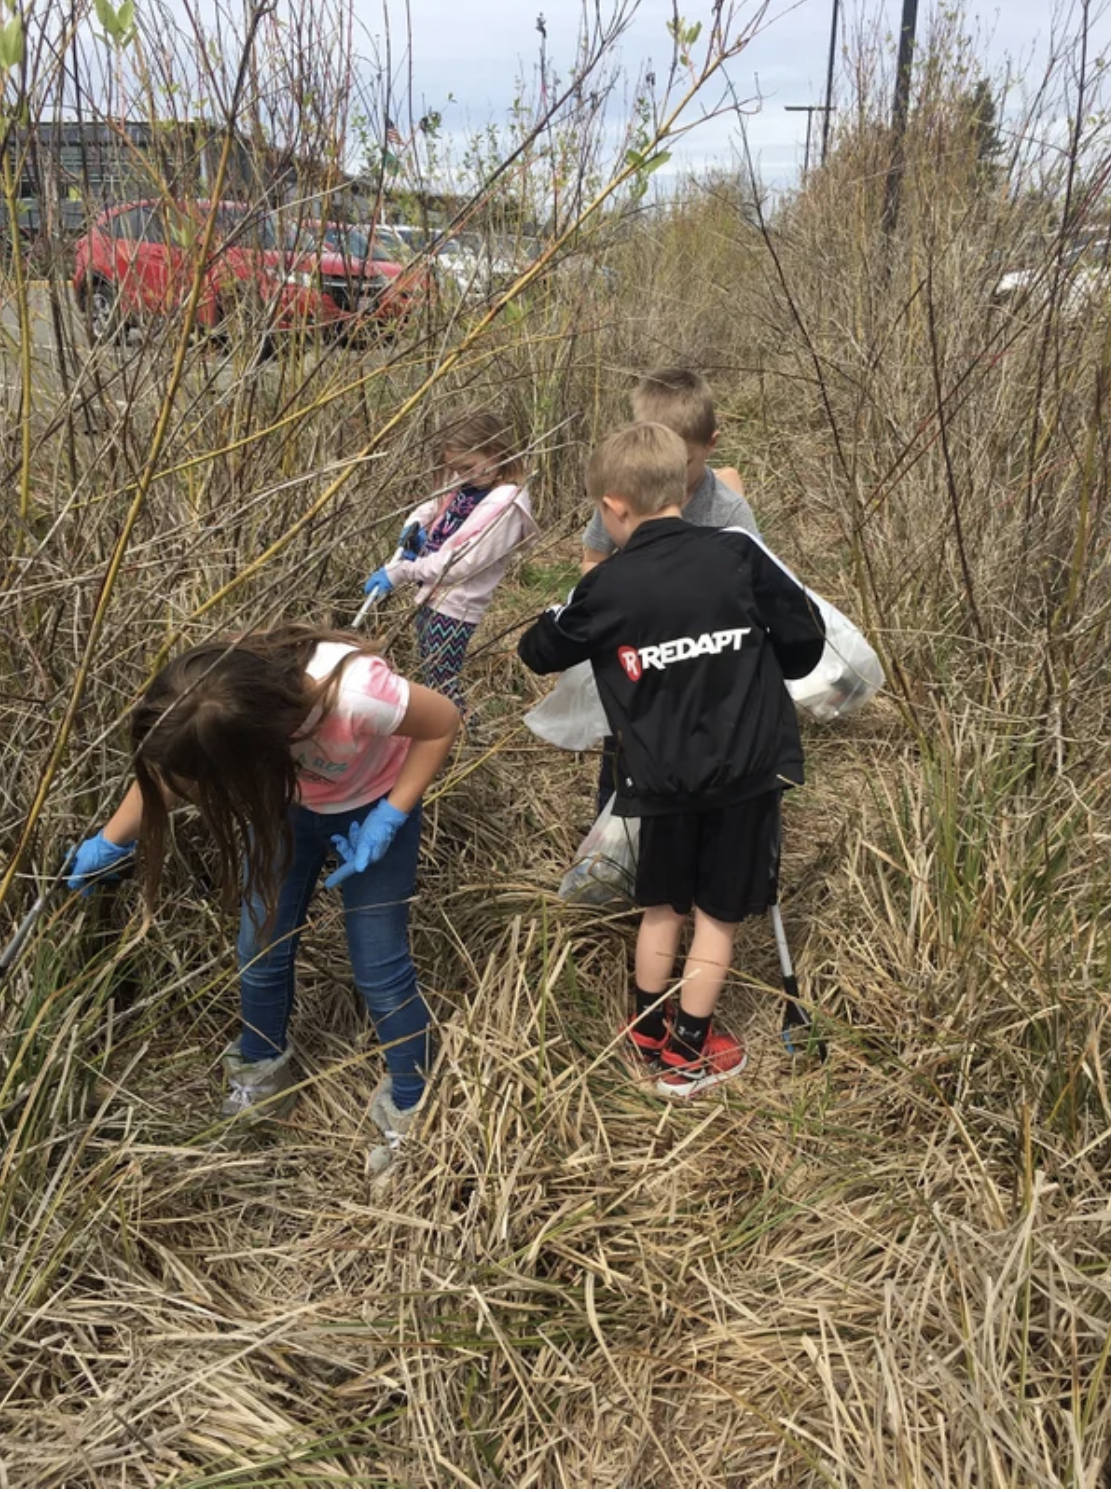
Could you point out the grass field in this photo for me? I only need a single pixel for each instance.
(890, 1269)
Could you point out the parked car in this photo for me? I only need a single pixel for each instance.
(410, 243)
(361, 274)
(478, 265)
(137, 263)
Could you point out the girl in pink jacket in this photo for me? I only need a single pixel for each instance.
(463, 543)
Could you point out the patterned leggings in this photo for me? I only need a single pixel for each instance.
(442, 642)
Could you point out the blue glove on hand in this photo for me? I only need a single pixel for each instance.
(366, 843)
(94, 857)
(379, 584)
(413, 540)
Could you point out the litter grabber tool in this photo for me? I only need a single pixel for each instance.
(797, 1029)
(71, 869)
(23, 931)
(409, 547)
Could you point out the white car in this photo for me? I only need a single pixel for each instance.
(477, 264)
(1084, 271)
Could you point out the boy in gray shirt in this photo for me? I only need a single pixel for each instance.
(681, 400)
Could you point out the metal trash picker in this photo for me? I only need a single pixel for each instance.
(798, 1031)
(406, 548)
(797, 1028)
(15, 944)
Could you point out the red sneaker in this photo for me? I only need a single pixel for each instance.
(723, 1056)
(649, 1048)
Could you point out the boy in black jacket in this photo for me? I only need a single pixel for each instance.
(690, 633)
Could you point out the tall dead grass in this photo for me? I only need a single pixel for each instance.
(887, 1271)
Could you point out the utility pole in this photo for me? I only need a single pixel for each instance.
(827, 111)
(899, 115)
(810, 110)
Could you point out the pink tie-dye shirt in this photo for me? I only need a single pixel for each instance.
(352, 755)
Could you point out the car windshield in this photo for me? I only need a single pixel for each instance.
(248, 229)
(384, 249)
(384, 246)
(337, 238)
(388, 241)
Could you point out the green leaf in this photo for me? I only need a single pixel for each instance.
(126, 16)
(108, 18)
(11, 42)
(660, 159)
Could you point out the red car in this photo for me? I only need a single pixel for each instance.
(360, 275)
(137, 262)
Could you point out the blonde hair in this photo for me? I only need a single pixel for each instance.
(644, 463)
(485, 432)
(680, 399)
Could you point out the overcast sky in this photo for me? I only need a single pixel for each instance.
(474, 50)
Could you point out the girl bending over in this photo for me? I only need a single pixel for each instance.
(294, 745)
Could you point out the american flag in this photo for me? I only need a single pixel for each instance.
(393, 134)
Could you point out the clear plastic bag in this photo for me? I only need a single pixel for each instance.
(848, 673)
(605, 863)
(571, 716)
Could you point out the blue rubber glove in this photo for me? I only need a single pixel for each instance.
(94, 857)
(366, 843)
(413, 540)
(379, 584)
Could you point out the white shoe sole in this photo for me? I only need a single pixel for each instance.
(700, 1084)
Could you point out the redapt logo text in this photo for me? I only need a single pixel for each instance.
(680, 650)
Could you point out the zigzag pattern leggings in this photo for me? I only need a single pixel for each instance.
(442, 642)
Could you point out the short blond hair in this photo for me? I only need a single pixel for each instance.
(680, 399)
(645, 463)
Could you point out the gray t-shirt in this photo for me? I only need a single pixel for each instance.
(712, 505)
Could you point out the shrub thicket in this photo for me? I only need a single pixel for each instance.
(887, 1271)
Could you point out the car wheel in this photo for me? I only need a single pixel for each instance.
(107, 322)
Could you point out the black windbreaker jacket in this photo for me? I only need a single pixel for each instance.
(690, 633)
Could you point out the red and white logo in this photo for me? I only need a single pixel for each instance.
(681, 650)
(630, 659)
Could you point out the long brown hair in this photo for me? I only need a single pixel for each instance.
(485, 432)
(215, 727)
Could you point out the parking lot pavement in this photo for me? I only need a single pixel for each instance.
(46, 376)
(42, 323)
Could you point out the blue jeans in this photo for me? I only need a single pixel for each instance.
(376, 919)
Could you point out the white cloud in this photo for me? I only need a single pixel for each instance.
(477, 51)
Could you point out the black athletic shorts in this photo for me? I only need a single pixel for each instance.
(725, 861)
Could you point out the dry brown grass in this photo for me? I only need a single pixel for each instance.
(891, 1270)
(846, 1275)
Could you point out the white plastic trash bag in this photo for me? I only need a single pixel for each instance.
(848, 673)
(571, 716)
(605, 863)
